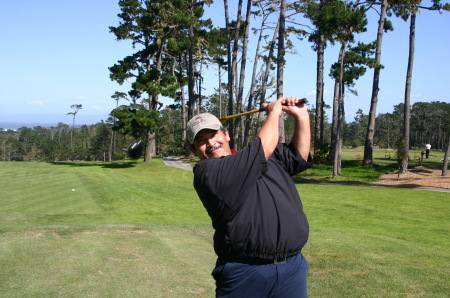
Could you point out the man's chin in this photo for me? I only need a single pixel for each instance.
(217, 153)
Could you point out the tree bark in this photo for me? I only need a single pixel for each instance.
(220, 91)
(334, 146)
(239, 108)
(234, 82)
(280, 65)
(337, 163)
(368, 147)
(267, 71)
(191, 95)
(150, 139)
(334, 122)
(318, 126)
(183, 116)
(230, 75)
(407, 111)
(249, 118)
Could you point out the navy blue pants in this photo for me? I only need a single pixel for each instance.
(283, 280)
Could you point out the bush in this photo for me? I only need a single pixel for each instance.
(324, 153)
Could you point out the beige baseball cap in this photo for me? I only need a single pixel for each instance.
(201, 121)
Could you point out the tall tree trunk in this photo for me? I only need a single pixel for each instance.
(183, 116)
(220, 91)
(230, 74)
(337, 162)
(71, 137)
(111, 145)
(334, 122)
(280, 65)
(150, 145)
(191, 96)
(267, 71)
(150, 139)
(114, 137)
(239, 108)
(338, 89)
(407, 113)
(368, 147)
(183, 104)
(234, 82)
(318, 126)
(200, 80)
(249, 118)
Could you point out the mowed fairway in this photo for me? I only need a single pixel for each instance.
(138, 230)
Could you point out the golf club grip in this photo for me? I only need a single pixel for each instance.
(304, 101)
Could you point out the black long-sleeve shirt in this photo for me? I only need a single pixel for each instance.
(253, 203)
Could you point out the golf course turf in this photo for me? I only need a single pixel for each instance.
(134, 229)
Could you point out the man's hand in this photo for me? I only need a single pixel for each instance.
(294, 107)
(274, 106)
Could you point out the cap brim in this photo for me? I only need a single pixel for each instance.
(212, 126)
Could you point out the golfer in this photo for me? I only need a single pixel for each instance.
(427, 149)
(260, 226)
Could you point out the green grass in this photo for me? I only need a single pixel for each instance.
(116, 192)
(160, 260)
(376, 242)
(138, 230)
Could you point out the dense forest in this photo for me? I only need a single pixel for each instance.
(173, 46)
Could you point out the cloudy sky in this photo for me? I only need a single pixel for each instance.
(56, 53)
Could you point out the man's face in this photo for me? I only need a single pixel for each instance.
(210, 143)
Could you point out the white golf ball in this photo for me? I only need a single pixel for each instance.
(73, 189)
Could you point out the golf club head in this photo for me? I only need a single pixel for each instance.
(135, 150)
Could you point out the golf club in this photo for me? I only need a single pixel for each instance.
(304, 101)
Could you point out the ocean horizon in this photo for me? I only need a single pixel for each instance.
(16, 122)
(17, 125)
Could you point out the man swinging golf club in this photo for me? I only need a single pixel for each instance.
(260, 226)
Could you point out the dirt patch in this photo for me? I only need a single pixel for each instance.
(419, 177)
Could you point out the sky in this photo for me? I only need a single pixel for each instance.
(55, 54)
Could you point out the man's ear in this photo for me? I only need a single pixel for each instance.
(227, 135)
(192, 149)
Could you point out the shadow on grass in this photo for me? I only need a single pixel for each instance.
(324, 181)
(108, 165)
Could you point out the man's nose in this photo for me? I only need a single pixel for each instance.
(211, 141)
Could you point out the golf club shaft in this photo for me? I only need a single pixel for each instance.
(242, 114)
(304, 100)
